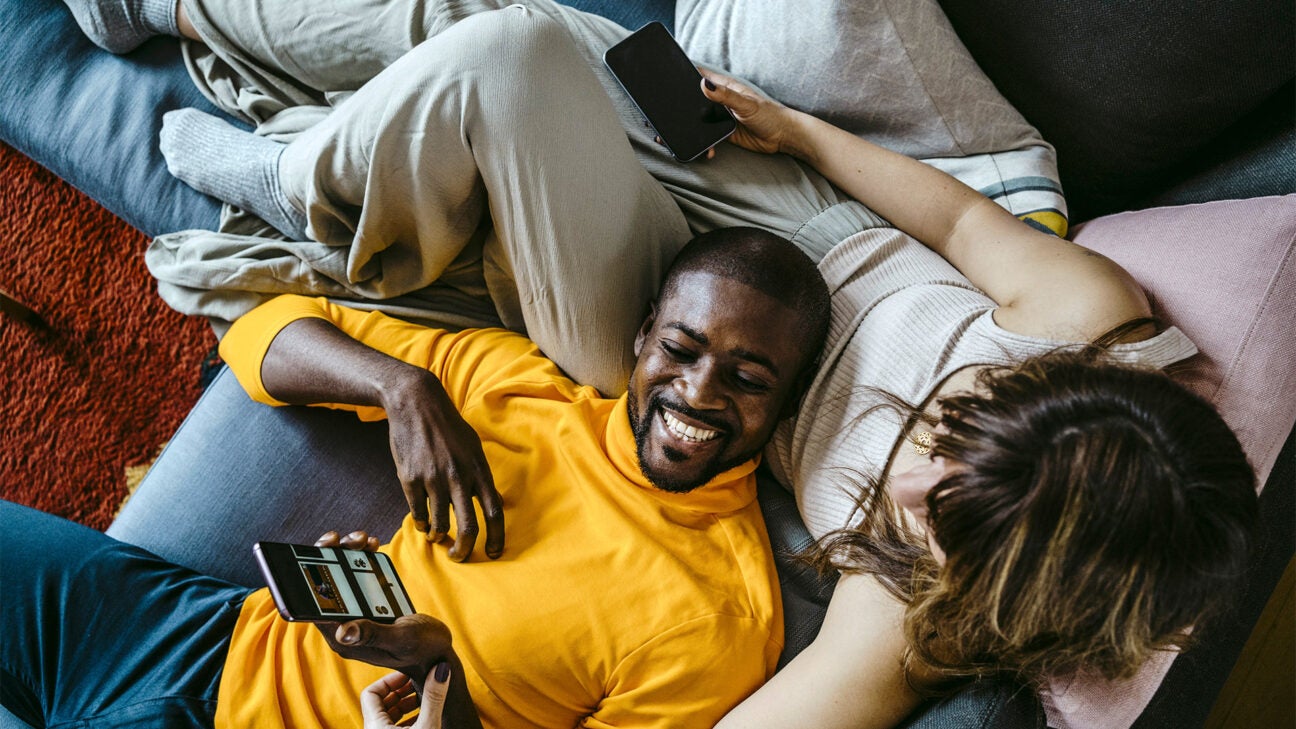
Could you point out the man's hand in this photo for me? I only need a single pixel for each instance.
(416, 646)
(440, 462)
(412, 644)
(438, 455)
(358, 540)
(385, 702)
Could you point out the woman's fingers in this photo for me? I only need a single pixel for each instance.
(386, 701)
(435, 690)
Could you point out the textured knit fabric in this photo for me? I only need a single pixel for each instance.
(615, 604)
(903, 320)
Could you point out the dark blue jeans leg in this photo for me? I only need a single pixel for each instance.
(95, 632)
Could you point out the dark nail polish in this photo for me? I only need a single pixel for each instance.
(442, 672)
(709, 85)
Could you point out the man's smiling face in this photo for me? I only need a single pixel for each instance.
(718, 365)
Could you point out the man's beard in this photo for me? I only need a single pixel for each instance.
(641, 424)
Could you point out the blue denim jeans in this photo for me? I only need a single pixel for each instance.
(98, 633)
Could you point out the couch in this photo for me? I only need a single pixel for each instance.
(1174, 131)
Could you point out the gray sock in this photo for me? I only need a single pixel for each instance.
(229, 164)
(118, 26)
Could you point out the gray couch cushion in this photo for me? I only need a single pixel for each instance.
(1127, 90)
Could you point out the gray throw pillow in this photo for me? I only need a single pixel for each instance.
(892, 71)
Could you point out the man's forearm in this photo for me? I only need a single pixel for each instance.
(312, 361)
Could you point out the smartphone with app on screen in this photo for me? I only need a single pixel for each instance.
(666, 86)
(331, 584)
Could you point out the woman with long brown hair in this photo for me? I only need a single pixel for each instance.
(989, 454)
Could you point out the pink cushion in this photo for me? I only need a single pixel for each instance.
(1224, 272)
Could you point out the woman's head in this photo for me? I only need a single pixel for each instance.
(1091, 513)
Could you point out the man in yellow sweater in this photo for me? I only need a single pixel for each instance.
(636, 587)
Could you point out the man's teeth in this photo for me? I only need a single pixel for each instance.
(687, 432)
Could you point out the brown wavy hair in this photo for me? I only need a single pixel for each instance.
(1102, 511)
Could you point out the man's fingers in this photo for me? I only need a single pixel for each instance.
(394, 645)
(440, 512)
(328, 539)
(493, 512)
(352, 633)
(416, 497)
(389, 640)
(466, 526)
(359, 540)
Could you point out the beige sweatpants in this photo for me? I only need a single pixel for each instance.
(430, 140)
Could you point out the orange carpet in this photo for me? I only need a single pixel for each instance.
(100, 389)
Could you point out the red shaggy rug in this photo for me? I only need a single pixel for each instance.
(94, 393)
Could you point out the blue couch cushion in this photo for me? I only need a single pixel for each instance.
(93, 118)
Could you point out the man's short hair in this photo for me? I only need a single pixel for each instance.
(766, 262)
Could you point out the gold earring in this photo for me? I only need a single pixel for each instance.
(922, 443)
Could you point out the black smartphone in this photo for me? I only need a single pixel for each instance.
(327, 584)
(666, 86)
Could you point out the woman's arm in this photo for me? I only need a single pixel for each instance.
(850, 677)
(1044, 286)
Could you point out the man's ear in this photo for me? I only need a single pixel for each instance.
(645, 328)
(793, 402)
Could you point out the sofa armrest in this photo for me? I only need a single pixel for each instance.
(238, 471)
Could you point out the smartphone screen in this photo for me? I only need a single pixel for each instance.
(325, 584)
(666, 86)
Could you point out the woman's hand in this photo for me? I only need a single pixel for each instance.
(764, 125)
(387, 701)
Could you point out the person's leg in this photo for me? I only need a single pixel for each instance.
(100, 631)
(257, 59)
(498, 114)
(118, 26)
(502, 104)
(214, 157)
